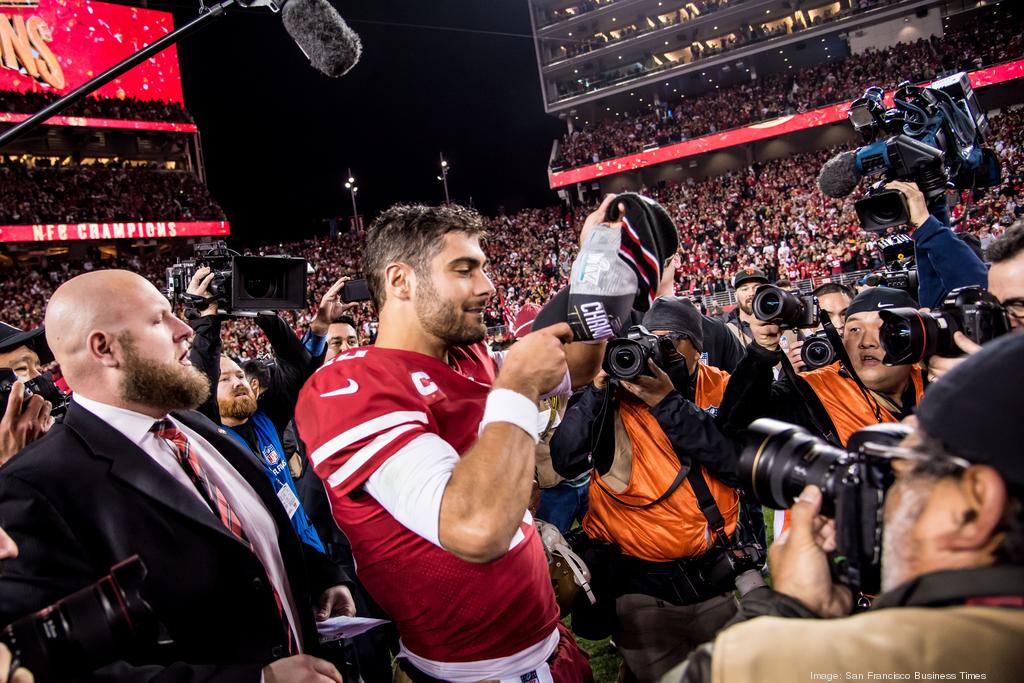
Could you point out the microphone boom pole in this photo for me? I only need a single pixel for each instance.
(82, 91)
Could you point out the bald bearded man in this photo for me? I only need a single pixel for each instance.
(135, 470)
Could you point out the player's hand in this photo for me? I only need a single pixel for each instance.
(199, 286)
(536, 363)
(650, 390)
(598, 217)
(794, 356)
(301, 669)
(916, 203)
(799, 560)
(331, 306)
(24, 421)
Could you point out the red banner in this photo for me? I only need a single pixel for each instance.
(56, 45)
(758, 131)
(60, 232)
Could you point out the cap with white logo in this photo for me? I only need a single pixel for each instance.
(874, 298)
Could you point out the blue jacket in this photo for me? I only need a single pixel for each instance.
(944, 262)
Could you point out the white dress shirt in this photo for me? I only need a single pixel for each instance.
(259, 526)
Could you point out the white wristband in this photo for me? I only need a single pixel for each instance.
(505, 405)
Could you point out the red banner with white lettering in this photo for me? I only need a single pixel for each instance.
(56, 45)
(61, 232)
(758, 131)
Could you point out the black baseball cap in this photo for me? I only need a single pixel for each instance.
(11, 338)
(879, 299)
(679, 315)
(970, 410)
(749, 275)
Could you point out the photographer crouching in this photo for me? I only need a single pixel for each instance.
(662, 508)
(951, 555)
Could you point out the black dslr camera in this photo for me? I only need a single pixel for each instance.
(42, 385)
(817, 351)
(788, 310)
(626, 357)
(910, 336)
(242, 285)
(780, 459)
(97, 625)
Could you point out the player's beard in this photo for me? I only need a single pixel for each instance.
(238, 407)
(445, 319)
(167, 385)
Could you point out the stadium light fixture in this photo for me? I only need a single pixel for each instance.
(350, 185)
(444, 178)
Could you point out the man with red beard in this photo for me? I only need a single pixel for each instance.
(135, 470)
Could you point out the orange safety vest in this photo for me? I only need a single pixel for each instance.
(676, 527)
(846, 405)
(844, 402)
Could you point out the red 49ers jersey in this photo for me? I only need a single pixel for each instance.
(354, 414)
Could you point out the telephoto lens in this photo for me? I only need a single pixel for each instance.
(785, 309)
(781, 459)
(910, 336)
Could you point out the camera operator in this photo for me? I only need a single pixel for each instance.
(829, 401)
(25, 419)
(331, 331)
(255, 406)
(834, 299)
(644, 434)
(952, 557)
(944, 261)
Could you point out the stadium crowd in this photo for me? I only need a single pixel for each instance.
(988, 38)
(100, 193)
(774, 219)
(125, 108)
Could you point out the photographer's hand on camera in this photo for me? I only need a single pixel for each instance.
(939, 366)
(793, 353)
(24, 421)
(197, 287)
(799, 560)
(330, 308)
(650, 390)
(916, 203)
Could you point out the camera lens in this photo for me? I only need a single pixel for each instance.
(625, 359)
(817, 352)
(777, 306)
(882, 209)
(781, 459)
(909, 336)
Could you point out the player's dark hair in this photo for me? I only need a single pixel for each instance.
(412, 234)
(1007, 245)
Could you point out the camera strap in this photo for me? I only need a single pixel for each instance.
(844, 359)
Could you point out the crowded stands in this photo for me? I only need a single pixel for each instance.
(101, 192)
(126, 108)
(984, 40)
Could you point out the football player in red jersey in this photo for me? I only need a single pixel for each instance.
(425, 442)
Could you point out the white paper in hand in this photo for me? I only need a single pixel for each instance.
(337, 628)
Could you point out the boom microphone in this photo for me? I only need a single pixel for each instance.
(323, 36)
(840, 175)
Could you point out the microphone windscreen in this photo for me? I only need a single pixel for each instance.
(332, 47)
(839, 175)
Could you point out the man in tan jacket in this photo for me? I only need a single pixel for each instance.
(952, 606)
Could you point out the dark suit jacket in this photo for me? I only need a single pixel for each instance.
(84, 497)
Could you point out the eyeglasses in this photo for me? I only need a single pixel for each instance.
(1015, 307)
(884, 452)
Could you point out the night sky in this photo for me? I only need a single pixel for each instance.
(278, 136)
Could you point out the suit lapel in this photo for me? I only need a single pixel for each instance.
(131, 465)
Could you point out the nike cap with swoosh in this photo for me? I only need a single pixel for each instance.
(875, 298)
